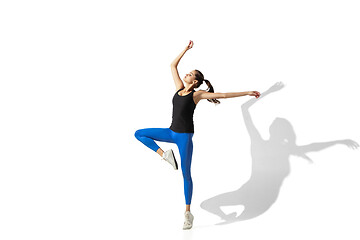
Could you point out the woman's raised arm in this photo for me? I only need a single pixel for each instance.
(177, 59)
(175, 74)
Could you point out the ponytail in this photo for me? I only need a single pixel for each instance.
(211, 89)
(200, 77)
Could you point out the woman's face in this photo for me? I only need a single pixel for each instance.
(190, 77)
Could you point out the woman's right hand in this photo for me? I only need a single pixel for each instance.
(254, 93)
(191, 43)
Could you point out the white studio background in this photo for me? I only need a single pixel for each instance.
(78, 78)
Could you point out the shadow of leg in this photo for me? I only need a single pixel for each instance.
(213, 205)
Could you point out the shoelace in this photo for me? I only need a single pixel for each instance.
(187, 222)
(187, 217)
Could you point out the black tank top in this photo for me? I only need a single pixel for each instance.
(183, 111)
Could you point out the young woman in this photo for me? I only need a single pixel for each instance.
(181, 130)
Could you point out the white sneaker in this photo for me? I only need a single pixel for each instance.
(189, 218)
(170, 158)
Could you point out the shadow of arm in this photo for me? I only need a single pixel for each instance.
(253, 132)
(315, 147)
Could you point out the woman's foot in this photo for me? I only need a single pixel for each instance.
(170, 158)
(189, 218)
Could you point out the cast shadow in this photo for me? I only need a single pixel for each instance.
(270, 166)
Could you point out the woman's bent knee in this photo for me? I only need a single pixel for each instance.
(137, 134)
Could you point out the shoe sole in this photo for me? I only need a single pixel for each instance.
(187, 228)
(192, 222)
(174, 160)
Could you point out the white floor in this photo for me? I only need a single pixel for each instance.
(140, 196)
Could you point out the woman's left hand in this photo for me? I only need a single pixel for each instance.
(190, 45)
(254, 93)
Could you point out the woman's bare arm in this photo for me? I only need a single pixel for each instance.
(178, 58)
(209, 95)
(175, 74)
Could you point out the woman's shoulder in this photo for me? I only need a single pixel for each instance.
(197, 95)
(199, 92)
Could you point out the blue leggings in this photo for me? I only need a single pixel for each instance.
(184, 143)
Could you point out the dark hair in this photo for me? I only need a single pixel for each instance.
(200, 77)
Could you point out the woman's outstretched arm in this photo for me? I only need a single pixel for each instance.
(209, 95)
(175, 74)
